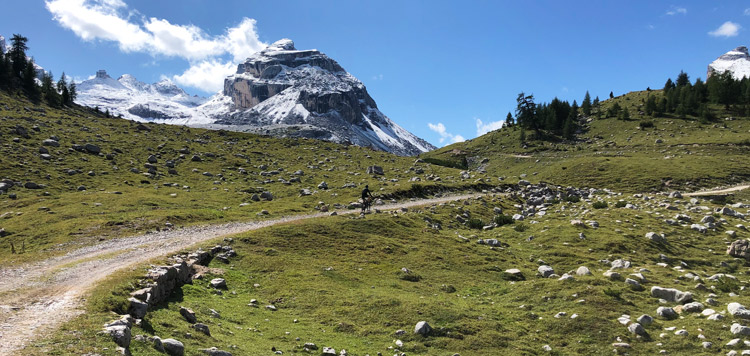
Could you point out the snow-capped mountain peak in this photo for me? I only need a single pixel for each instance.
(133, 99)
(290, 92)
(736, 61)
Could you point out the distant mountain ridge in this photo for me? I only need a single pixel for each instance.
(736, 61)
(279, 91)
(127, 96)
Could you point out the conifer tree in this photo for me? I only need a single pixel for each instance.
(586, 104)
(509, 119)
(18, 55)
(72, 92)
(682, 79)
(49, 91)
(4, 72)
(29, 82)
(611, 95)
(624, 114)
(62, 88)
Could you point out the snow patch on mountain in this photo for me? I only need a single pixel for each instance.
(736, 61)
(162, 101)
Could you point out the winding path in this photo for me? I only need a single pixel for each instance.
(722, 191)
(41, 297)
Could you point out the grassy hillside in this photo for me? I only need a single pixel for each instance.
(122, 198)
(338, 282)
(618, 154)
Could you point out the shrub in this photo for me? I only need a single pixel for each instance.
(475, 223)
(614, 293)
(572, 199)
(600, 205)
(520, 227)
(727, 285)
(646, 124)
(621, 204)
(502, 219)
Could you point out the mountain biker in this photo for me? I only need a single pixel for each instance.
(365, 195)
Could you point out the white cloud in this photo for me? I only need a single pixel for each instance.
(377, 77)
(747, 12)
(674, 10)
(111, 20)
(728, 29)
(203, 75)
(444, 134)
(483, 128)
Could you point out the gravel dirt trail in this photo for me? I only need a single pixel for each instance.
(718, 191)
(36, 299)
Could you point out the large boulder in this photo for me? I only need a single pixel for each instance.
(545, 271)
(671, 294)
(740, 249)
(173, 347)
(216, 352)
(375, 170)
(137, 308)
(120, 335)
(738, 310)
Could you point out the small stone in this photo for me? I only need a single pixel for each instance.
(422, 328)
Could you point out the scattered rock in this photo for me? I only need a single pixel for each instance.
(740, 249)
(637, 329)
(422, 328)
(219, 283)
(738, 310)
(546, 271)
(215, 352)
(666, 313)
(671, 294)
(173, 347)
(738, 329)
(188, 314)
(583, 271)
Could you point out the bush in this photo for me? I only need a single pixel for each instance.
(600, 205)
(475, 223)
(501, 220)
(621, 204)
(520, 227)
(727, 285)
(614, 293)
(572, 199)
(646, 124)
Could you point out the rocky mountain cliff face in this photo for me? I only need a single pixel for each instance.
(736, 61)
(127, 96)
(307, 94)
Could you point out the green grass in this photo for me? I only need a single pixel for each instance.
(117, 202)
(341, 278)
(620, 155)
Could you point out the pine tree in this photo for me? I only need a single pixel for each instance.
(586, 105)
(4, 72)
(18, 56)
(72, 92)
(569, 126)
(624, 114)
(509, 119)
(682, 79)
(29, 82)
(62, 88)
(49, 91)
(522, 136)
(526, 112)
(611, 95)
(650, 105)
(668, 85)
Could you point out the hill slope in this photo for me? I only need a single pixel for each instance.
(674, 154)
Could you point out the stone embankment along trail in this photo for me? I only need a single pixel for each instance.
(42, 296)
(718, 191)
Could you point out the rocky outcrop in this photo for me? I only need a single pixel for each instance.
(161, 281)
(304, 93)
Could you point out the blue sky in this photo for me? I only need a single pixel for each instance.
(444, 70)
